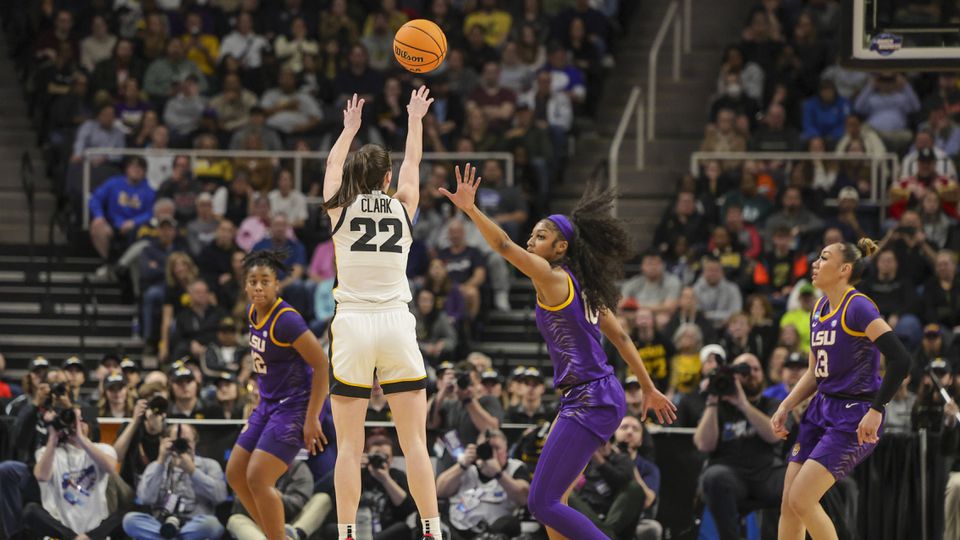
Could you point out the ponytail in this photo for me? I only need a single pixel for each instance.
(362, 173)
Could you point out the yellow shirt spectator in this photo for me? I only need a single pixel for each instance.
(201, 49)
(495, 23)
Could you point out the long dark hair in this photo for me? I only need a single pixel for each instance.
(362, 173)
(600, 246)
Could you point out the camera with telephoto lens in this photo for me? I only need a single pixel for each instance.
(377, 460)
(65, 422)
(464, 380)
(158, 404)
(722, 382)
(58, 389)
(167, 515)
(484, 451)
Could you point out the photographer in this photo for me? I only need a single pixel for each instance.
(384, 493)
(181, 488)
(73, 473)
(138, 441)
(607, 493)
(735, 432)
(485, 488)
(629, 439)
(531, 409)
(471, 413)
(295, 487)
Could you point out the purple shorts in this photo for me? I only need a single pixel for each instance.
(828, 435)
(276, 427)
(598, 406)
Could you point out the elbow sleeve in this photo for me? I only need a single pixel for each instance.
(898, 366)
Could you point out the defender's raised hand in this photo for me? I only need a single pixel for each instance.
(352, 114)
(419, 103)
(467, 185)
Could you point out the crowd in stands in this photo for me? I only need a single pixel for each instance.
(722, 287)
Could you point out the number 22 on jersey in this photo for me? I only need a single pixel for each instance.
(258, 345)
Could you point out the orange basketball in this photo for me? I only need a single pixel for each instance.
(420, 46)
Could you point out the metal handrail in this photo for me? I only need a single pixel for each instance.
(672, 16)
(297, 157)
(634, 103)
(881, 166)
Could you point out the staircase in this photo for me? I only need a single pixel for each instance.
(71, 317)
(681, 111)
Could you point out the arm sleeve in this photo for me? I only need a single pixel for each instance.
(288, 327)
(898, 366)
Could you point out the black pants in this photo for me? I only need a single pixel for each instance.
(41, 523)
(726, 490)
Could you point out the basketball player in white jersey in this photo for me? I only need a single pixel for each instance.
(373, 328)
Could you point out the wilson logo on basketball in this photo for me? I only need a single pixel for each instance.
(401, 53)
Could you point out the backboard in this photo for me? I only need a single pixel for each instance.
(899, 35)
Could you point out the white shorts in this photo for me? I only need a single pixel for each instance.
(362, 341)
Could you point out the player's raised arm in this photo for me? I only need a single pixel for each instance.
(338, 154)
(532, 266)
(408, 185)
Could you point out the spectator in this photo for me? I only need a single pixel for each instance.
(115, 399)
(793, 216)
(737, 334)
(201, 48)
(49, 43)
(465, 266)
(199, 488)
(915, 254)
(653, 288)
(131, 107)
(202, 230)
(224, 354)
(497, 103)
(337, 24)
(120, 205)
(226, 402)
(114, 70)
(186, 397)
(214, 257)
(945, 132)
(608, 494)
(378, 410)
(793, 368)
(504, 204)
(855, 131)
(683, 221)
(255, 227)
(358, 78)
(629, 439)
(152, 40)
(291, 50)
(531, 409)
(924, 141)
(99, 45)
(799, 317)
(296, 488)
(288, 201)
(379, 42)
(685, 364)
(73, 478)
(233, 104)
(886, 102)
(749, 74)
(932, 346)
(722, 137)
(941, 293)
(781, 266)
(655, 349)
(847, 218)
(897, 418)
(163, 73)
(182, 189)
(774, 135)
(289, 110)
(743, 233)
(936, 223)
(138, 440)
(894, 296)
(256, 126)
(565, 76)
(718, 297)
(471, 413)
(76, 375)
(463, 78)
(99, 132)
(296, 255)
(742, 463)
(551, 110)
(813, 53)
(733, 98)
(446, 291)
(688, 312)
(436, 336)
(485, 488)
(515, 75)
(910, 191)
(244, 44)
(154, 262)
(197, 325)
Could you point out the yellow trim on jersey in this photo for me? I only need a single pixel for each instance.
(341, 381)
(565, 302)
(258, 326)
(837, 308)
(274, 323)
(411, 379)
(330, 355)
(843, 316)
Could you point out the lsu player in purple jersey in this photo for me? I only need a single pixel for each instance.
(291, 370)
(573, 262)
(842, 424)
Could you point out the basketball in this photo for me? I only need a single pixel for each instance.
(420, 46)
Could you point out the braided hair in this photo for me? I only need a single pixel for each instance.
(269, 258)
(599, 248)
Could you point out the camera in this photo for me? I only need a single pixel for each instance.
(167, 515)
(463, 380)
(623, 446)
(180, 446)
(58, 389)
(65, 422)
(484, 451)
(377, 460)
(158, 404)
(907, 231)
(721, 379)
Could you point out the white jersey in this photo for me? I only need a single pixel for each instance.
(372, 239)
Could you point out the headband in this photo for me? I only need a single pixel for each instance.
(563, 223)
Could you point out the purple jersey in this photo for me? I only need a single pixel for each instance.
(847, 362)
(572, 335)
(281, 371)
